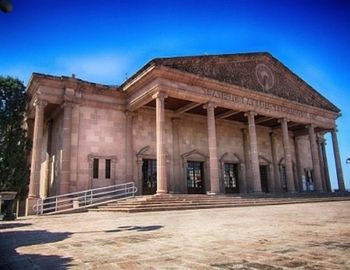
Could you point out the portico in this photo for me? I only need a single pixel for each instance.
(220, 103)
(215, 124)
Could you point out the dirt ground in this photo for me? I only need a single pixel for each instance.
(300, 236)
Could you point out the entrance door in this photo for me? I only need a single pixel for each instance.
(149, 176)
(283, 176)
(263, 178)
(231, 178)
(195, 179)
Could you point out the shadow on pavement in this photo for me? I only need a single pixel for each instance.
(4, 226)
(136, 228)
(127, 228)
(10, 259)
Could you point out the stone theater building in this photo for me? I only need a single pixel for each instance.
(210, 124)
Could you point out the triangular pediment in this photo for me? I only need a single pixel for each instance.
(259, 72)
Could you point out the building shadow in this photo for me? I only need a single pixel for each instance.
(127, 228)
(4, 226)
(140, 228)
(11, 259)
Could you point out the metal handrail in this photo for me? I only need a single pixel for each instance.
(81, 199)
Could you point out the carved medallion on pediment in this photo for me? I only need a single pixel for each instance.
(264, 76)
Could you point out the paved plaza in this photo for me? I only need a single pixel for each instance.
(300, 236)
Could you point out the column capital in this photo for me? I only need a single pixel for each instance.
(40, 103)
(160, 95)
(209, 105)
(176, 119)
(130, 114)
(281, 120)
(310, 126)
(250, 113)
(68, 104)
(297, 138)
(273, 135)
(320, 139)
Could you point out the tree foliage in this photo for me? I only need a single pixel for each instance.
(14, 144)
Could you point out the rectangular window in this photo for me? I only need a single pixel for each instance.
(95, 169)
(108, 169)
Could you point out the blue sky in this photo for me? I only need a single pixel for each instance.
(107, 41)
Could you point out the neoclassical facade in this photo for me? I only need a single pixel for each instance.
(204, 124)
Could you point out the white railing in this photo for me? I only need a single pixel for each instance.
(84, 199)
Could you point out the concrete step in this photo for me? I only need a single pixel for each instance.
(156, 203)
(191, 207)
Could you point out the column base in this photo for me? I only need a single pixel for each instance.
(257, 193)
(162, 193)
(30, 202)
(213, 193)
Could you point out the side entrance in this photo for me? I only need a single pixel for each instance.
(195, 177)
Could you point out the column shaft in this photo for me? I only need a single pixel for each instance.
(315, 160)
(129, 146)
(162, 185)
(213, 154)
(298, 161)
(66, 148)
(45, 185)
(287, 156)
(326, 171)
(254, 157)
(247, 187)
(320, 157)
(34, 184)
(277, 184)
(178, 187)
(338, 166)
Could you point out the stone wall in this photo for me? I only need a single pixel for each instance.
(100, 133)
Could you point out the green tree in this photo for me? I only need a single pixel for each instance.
(14, 143)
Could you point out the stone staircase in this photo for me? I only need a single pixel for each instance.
(188, 201)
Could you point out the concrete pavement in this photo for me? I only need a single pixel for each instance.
(302, 236)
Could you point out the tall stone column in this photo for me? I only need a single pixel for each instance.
(287, 156)
(315, 160)
(36, 150)
(34, 184)
(326, 171)
(320, 157)
(129, 146)
(139, 183)
(178, 187)
(337, 161)
(213, 153)
(162, 185)
(298, 161)
(45, 185)
(277, 184)
(248, 176)
(66, 147)
(254, 157)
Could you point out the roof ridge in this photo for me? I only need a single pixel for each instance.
(265, 53)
